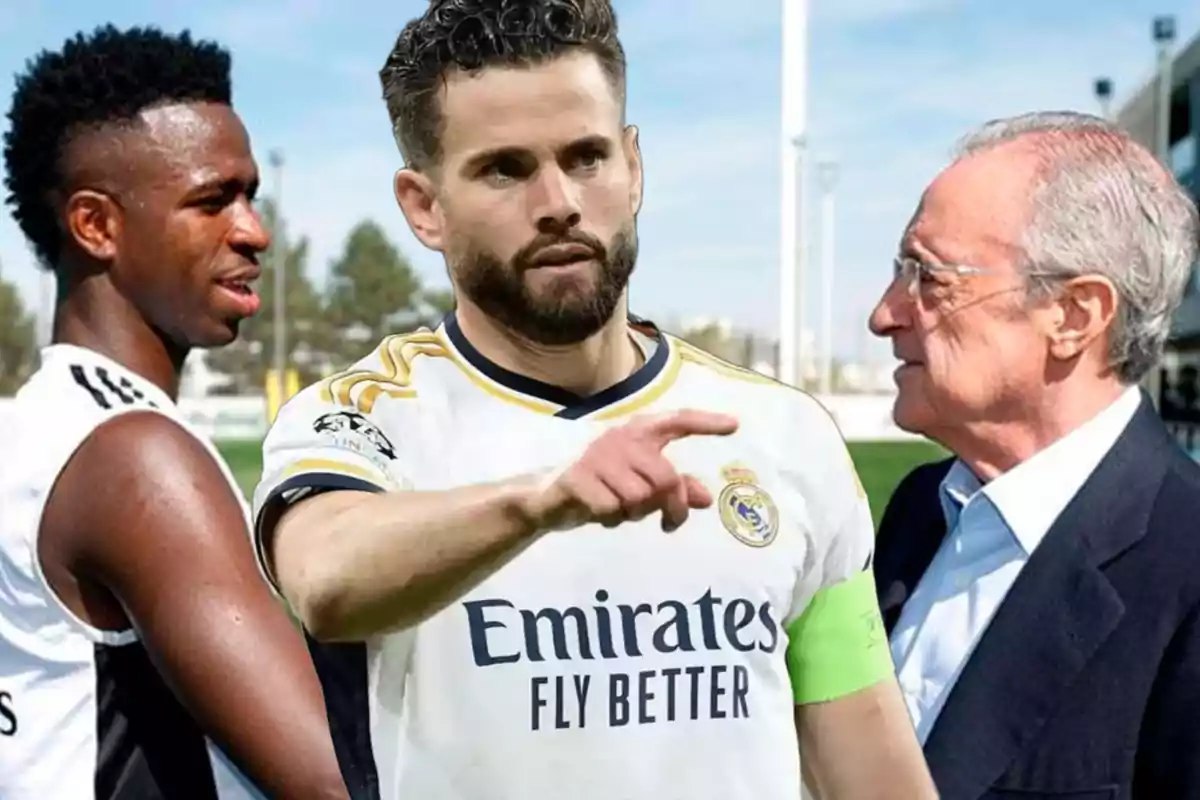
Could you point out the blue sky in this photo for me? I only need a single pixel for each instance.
(893, 83)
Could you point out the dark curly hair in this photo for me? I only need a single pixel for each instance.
(470, 35)
(103, 78)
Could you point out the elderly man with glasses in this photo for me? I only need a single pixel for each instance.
(1041, 588)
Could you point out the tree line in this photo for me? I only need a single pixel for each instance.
(371, 290)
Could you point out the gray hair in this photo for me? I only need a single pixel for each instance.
(1103, 205)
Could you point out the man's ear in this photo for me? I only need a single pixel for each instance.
(633, 160)
(418, 199)
(94, 221)
(1083, 311)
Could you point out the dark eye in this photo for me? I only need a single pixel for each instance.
(212, 205)
(217, 198)
(503, 170)
(590, 159)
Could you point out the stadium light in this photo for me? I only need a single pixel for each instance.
(1164, 29)
(827, 174)
(1163, 34)
(793, 240)
(279, 264)
(1103, 89)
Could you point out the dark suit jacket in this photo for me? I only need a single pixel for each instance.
(1086, 685)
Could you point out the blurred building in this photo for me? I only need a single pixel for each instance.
(1179, 384)
(1139, 116)
(198, 379)
(722, 338)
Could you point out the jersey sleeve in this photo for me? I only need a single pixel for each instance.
(837, 644)
(317, 445)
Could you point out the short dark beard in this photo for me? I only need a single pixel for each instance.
(557, 319)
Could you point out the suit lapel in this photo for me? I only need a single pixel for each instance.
(1057, 614)
(913, 541)
(925, 537)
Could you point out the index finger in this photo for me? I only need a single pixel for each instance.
(691, 422)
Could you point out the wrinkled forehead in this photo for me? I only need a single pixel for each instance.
(975, 207)
(541, 106)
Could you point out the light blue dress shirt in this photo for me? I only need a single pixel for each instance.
(993, 530)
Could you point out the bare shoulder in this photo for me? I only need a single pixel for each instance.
(144, 451)
(141, 478)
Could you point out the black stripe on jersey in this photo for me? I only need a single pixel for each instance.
(148, 746)
(278, 501)
(120, 392)
(574, 406)
(80, 378)
(342, 670)
(99, 383)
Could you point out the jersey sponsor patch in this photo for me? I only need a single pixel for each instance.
(596, 674)
(746, 510)
(8, 715)
(351, 429)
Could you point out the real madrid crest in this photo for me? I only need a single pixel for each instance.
(746, 510)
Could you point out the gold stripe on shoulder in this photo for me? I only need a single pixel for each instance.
(396, 354)
(695, 355)
(490, 387)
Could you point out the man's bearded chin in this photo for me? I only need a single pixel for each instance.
(559, 312)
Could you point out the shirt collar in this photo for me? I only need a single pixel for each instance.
(1030, 496)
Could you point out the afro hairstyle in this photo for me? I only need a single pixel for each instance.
(103, 78)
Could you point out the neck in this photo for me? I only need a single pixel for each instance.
(93, 314)
(585, 368)
(991, 448)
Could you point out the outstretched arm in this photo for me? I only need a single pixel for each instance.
(354, 564)
(144, 511)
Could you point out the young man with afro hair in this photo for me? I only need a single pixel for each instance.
(141, 654)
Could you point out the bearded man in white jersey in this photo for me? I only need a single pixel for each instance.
(547, 550)
(141, 655)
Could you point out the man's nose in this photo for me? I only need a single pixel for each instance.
(890, 313)
(555, 201)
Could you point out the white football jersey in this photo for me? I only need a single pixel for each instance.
(600, 664)
(83, 712)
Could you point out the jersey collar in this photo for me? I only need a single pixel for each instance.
(632, 394)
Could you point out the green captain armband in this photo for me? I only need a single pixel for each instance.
(838, 645)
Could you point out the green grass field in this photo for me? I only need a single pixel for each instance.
(881, 465)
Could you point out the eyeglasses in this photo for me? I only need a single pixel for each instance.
(911, 272)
